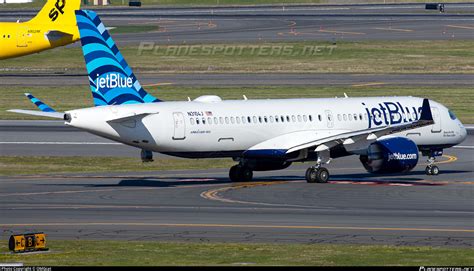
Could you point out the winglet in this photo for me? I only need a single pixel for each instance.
(426, 111)
(42, 106)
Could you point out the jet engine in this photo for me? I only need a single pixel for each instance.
(396, 154)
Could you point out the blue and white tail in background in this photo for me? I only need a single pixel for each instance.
(111, 80)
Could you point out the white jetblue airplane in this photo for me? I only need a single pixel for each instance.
(387, 133)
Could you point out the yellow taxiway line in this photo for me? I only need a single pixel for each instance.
(158, 84)
(394, 29)
(369, 84)
(460, 26)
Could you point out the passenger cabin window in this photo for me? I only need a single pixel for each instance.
(319, 118)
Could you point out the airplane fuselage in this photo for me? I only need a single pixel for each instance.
(18, 39)
(209, 127)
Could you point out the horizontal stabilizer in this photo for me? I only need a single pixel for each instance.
(55, 35)
(56, 115)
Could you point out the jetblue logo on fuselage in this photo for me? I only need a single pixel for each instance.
(113, 80)
(402, 156)
(390, 113)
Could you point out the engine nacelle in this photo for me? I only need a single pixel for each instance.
(396, 154)
(265, 165)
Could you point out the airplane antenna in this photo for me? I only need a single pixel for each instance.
(345, 95)
(245, 97)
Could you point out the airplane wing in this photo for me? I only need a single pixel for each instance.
(284, 145)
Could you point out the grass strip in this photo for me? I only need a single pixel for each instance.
(381, 57)
(33, 165)
(148, 253)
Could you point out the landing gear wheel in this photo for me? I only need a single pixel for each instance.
(246, 174)
(239, 173)
(311, 175)
(317, 175)
(432, 170)
(428, 170)
(234, 173)
(323, 175)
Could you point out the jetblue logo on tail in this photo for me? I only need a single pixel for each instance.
(113, 80)
(390, 113)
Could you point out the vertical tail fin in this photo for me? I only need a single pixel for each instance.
(111, 79)
(57, 12)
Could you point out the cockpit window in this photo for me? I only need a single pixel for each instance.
(451, 115)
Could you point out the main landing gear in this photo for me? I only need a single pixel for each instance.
(240, 173)
(317, 173)
(431, 169)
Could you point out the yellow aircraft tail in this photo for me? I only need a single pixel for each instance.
(57, 12)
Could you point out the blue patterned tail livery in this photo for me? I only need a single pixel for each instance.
(42, 106)
(111, 79)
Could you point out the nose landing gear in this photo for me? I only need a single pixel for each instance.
(431, 169)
